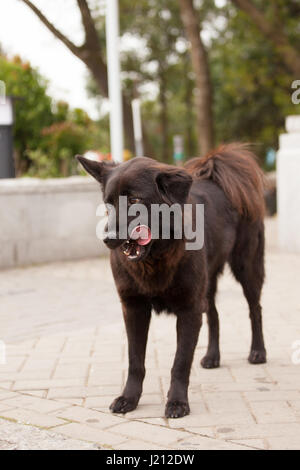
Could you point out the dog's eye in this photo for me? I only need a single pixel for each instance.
(134, 200)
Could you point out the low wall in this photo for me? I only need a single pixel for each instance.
(48, 220)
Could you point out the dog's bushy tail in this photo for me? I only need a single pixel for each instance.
(234, 168)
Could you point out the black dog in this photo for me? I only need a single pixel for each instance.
(161, 275)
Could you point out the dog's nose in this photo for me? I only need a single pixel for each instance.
(111, 240)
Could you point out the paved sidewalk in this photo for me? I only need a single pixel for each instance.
(66, 361)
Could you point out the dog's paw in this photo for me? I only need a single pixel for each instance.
(123, 405)
(257, 357)
(177, 409)
(210, 362)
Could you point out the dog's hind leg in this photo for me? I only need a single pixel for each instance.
(247, 265)
(137, 314)
(211, 359)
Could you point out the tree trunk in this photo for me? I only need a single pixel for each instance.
(91, 54)
(203, 91)
(163, 117)
(190, 147)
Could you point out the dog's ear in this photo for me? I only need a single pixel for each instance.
(174, 185)
(99, 170)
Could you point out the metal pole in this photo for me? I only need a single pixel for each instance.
(7, 169)
(114, 79)
(178, 154)
(137, 127)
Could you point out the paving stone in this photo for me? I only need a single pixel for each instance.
(260, 444)
(45, 384)
(36, 393)
(4, 407)
(13, 364)
(34, 403)
(273, 412)
(52, 343)
(33, 418)
(15, 436)
(102, 402)
(91, 417)
(6, 385)
(91, 434)
(83, 392)
(71, 401)
(295, 405)
(147, 411)
(274, 395)
(38, 364)
(71, 371)
(4, 394)
(150, 433)
(284, 443)
(203, 443)
(258, 431)
(132, 444)
(155, 421)
(32, 375)
(213, 419)
(65, 368)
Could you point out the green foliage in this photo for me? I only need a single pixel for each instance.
(251, 85)
(158, 70)
(47, 134)
(72, 133)
(32, 105)
(252, 88)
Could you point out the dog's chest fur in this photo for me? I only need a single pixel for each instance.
(167, 282)
(154, 276)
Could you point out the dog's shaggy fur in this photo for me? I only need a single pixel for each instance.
(169, 278)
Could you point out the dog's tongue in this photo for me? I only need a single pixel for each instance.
(141, 234)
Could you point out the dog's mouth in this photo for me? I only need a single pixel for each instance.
(137, 246)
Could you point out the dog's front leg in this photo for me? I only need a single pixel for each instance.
(137, 314)
(188, 327)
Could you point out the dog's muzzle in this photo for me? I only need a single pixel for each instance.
(111, 240)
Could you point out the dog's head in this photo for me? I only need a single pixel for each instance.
(142, 181)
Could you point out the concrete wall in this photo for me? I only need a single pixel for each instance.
(48, 220)
(288, 186)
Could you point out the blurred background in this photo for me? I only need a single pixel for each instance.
(188, 75)
(206, 71)
(169, 79)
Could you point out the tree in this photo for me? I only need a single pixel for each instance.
(92, 54)
(272, 24)
(32, 106)
(47, 134)
(203, 95)
(249, 75)
(158, 27)
(252, 85)
(72, 132)
(158, 64)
